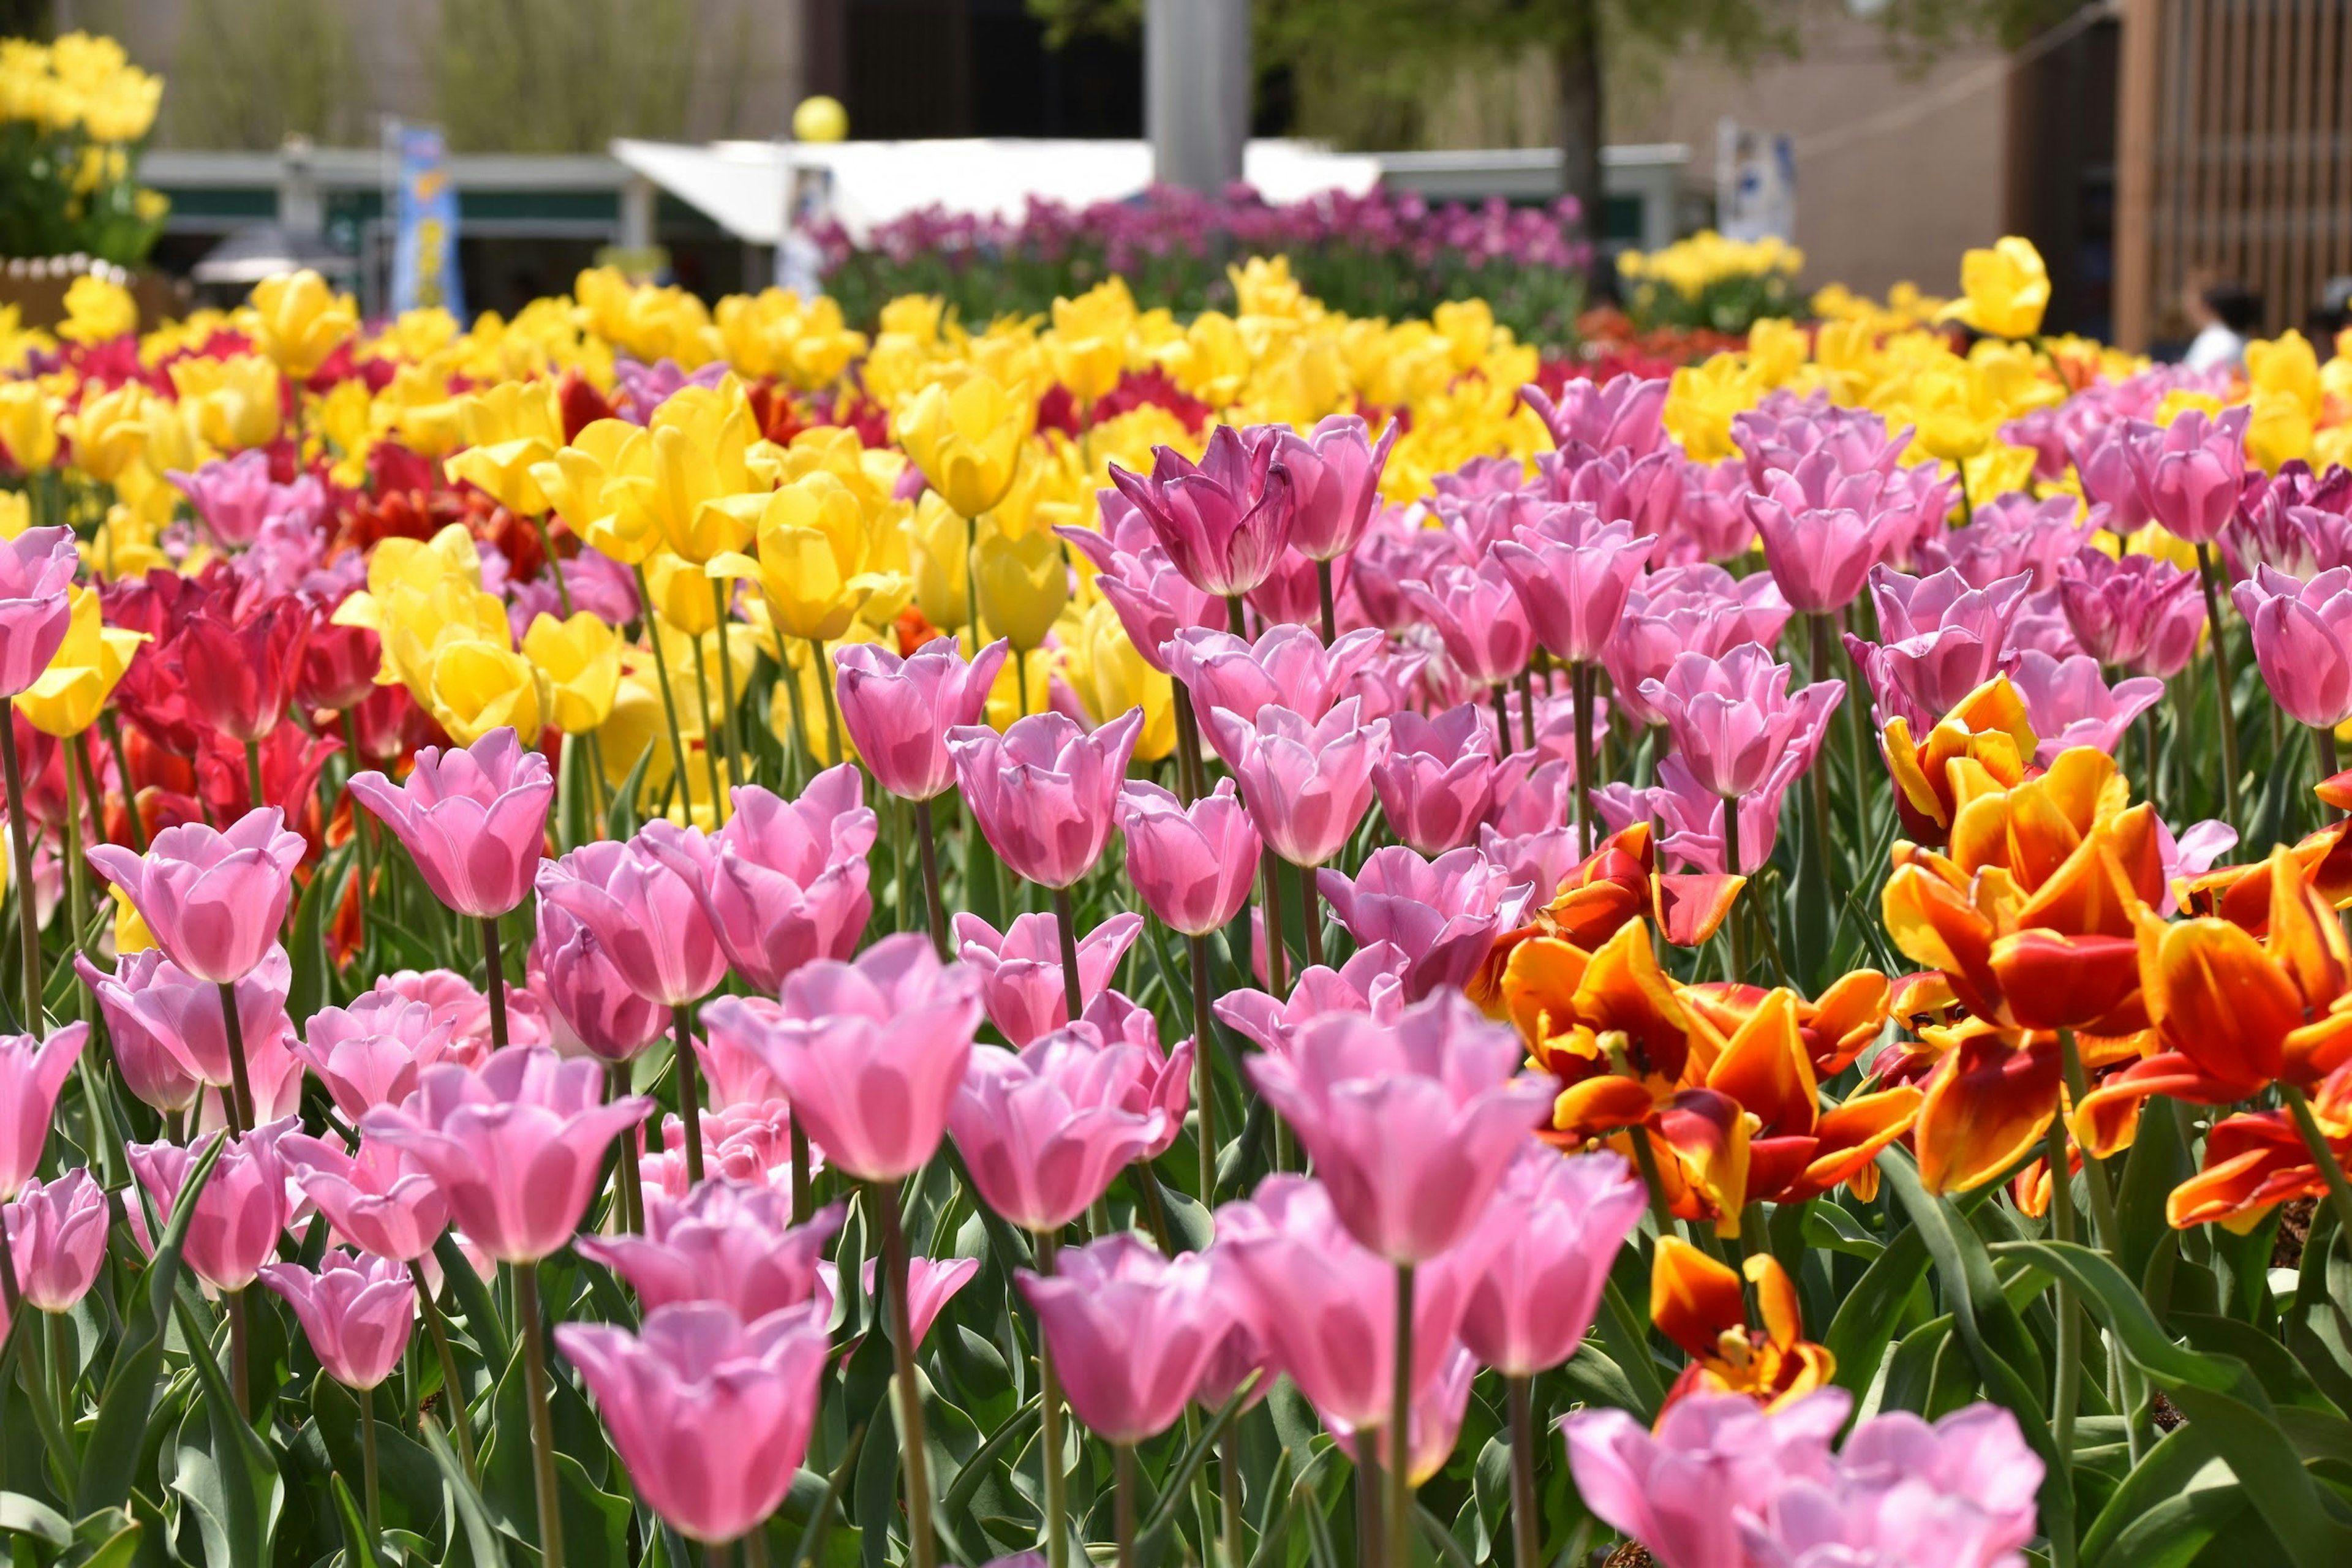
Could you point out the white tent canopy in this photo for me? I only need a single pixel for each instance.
(739, 185)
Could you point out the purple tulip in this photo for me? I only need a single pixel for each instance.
(1226, 520)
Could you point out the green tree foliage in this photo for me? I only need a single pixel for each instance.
(562, 76)
(247, 73)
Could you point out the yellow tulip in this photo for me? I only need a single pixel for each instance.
(2280, 429)
(235, 400)
(1701, 400)
(2285, 367)
(15, 513)
(475, 686)
(1110, 677)
(70, 694)
(2006, 290)
(938, 545)
(812, 546)
(130, 932)
(109, 433)
(299, 322)
(29, 424)
(701, 451)
(967, 440)
(581, 481)
(679, 593)
(1997, 469)
(97, 311)
(1024, 583)
(1087, 345)
(580, 661)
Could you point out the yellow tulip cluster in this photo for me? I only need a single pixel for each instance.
(1690, 267)
(78, 83)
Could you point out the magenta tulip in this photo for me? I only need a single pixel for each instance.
(1191, 866)
(931, 1284)
(729, 1242)
(379, 1200)
(1153, 600)
(515, 1147)
(1733, 720)
(1335, 475)
(31, 1073)
(1442, 914)
(1690, 817)
(869, 1052)
(1020, 969)
(1045, 1132)
(710, 1414)
(899, 711)
(2110, 473)
(150, 1003)
(783, 881)
(1224, 521)
(56, 1230)
(2192, 471)
(593, 1010)
(238, 1214)
(646, 916)
(2010, 535)
(473, 818)
(151, 1072)
(1573, 572)
(1559, 1222)
(1044, 791)
(37, 569)
(2139, 611)
(2303, 641)
(371, 1053)
(1437, 783)
(1306, 783)
(1371, 981)
(215, 900)
(1699, 609)
(1287, 667)
(1625, 412)
(237, 497)
(1131, 1332)
(1823, 530)
(1477, 613)
(357, 1312)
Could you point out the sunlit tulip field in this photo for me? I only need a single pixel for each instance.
(666, 934)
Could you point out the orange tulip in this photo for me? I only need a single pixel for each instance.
(1989, 1101)
(1846, 1017)
(1698, 1304)
(2252, 1162)
(1797, 1151)
(1608, 1024)
(1985, 743)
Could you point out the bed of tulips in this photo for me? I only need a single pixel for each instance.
(650, 934)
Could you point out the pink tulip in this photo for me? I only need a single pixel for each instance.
(2303, 641)
(1943, 640)
(1020, 969)
(870, 1052)
(1323, 1305)
(1533, 791)
(1783, 429)
(1442, 914)
(1371, 981)
(1733, 721)
(743, 1142)
(1680, 1491)
(1641, 492)
(357, 1312)
(593, 1010)
(2010, 535)
(1287, 667)
(1153, 600)
(898, 712)
(1045, 1132)
(37, 568)
(2192, 471)
(729, 1242)
(931, 1284)
(1711, 524)
(379, 1200)
(1411, 1124)
(1823, 530)
(1541, 858)
(732, 1063)
(710, 1414)
(1477, 613)
(1164, 1083)
(237, 498)
(1131, 1332)
(2110, 474)
(1223, 521)
(642, 913)
(238, 1214)
(31, 1073)
(1044, 791)
(1432, 1421)
(1192, 866)
(1690, 817)
(151, 1071)
(2069, 703)
(1959, 1494)
(1573, 572)
(56, 1231)
(474, 819)
(1699, 609)
(1623, 414)
(1437, 783)
(459, 1003)
(1306, 783)
(1559, 1222)
(1335, 474)
(783, 881)
(515, 1147)
(369, 1054)
(153, 1005)
(2292, 522)
(2139, 611)
(215, 900)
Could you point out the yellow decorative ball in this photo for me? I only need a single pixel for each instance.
(819, 119)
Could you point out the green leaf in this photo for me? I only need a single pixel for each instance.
(1911, 1375)
(359, 1544)
(2120, 1306)
(2267, 1466)
(115, 1441)
(306, 947)
(21, 1515)
(481, 1318)
(409, 1483)
(1832, 1229)
(228, 1473)
(2282, 1376)
(1872, 1311)
(482, 1537)
(596, 1523)
(118, 1550)
(2157, 1163)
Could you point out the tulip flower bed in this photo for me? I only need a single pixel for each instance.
(655, 935)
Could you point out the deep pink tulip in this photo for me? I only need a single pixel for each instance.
(1335, 475)
(1193, 868)
(898, 712)
(1823, 530)
(2010, 535)
(2303, 641)
(1044, 791)
(710, 1414)
(2293, 522)
(1624, 412)
(37, 568)
(1432, 1421)
(783, 881)
(1153, 599)
(1442, 914)
(1643, 492)
(869, 1052)
(1287, 667)
(1411, 1124)
(646, 916)
(1045, 1132)
(370, 1053)
(2193, 470)
(1477, 613)
(1700, 609)
(1734, 720)
(515, 1147)
(732, 1068)
(1306, 783)
(153, 1005)
(1783, 429)
(1224, 521)
(729, 1242)
(356, 1311)
(1323, 1305)
(379, 1200)
(1689, 816)
(592, 1009)
(1371, 982)
(2110, 474)
(2139, 611)
(238, 1214)
(1681, 1490)
(1573, 572)
(1559, 1223)
(473, 818)
(1020, 969)
(2069, 703)
(931, 1284)
(235, 496)
(1131, 1332)
(1943, 640)
(1437, 783)
(31, 1073)
(215, 900)
(56, 1230)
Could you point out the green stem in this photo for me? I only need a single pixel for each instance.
(1049, 1417)
(2066, 1394)
(916, 1461)
(1205, 1097)
(494, 981)
(689, 1098)
(240, 1096)
(824, 682)
(253, 776)
(20, 847)
(1526, 1543)
(240, 1354)
(630, 1180)
(1401, 1428)
(669, 699)
(2339, 1191)
(1066, 918)
(1580, 686)
(359, 836)
(1734, 924)
(367, 1463)
(2104, 1230)
(2210, 574)
(1122, 1503)
(927, 842)
(543, 1420)
(712, 744)
(1229, 1463)
(2323, 748)
(728, 708)
(452, 1393)
(113, 728)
